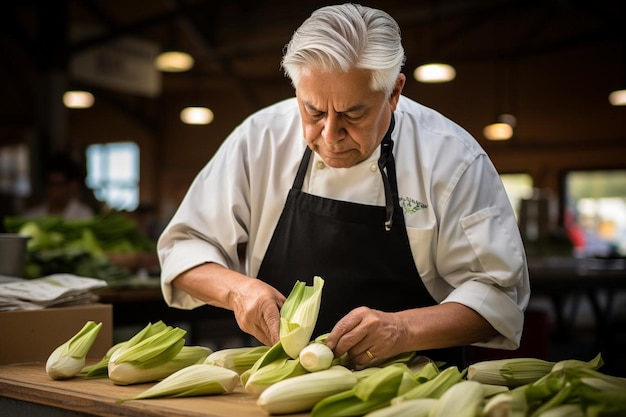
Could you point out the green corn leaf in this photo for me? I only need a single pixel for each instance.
(193, 380)
(298, 316)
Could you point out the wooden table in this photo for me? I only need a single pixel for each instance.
(26, 389)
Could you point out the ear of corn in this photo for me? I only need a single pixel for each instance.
(509, 372)
(433, 388)
(463, 399)
(68, 359)
(599, 392)
(301, 393)
(272, 373)
(316, 357)
(126, 373)
(193, 380)
(238, 359)
(298, 316)
(370, 393)
(148, 359)
(411, 408)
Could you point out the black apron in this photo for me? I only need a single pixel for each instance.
(361, 251)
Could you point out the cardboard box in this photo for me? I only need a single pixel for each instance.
(32, 335)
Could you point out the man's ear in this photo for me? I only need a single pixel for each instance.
(397, 91)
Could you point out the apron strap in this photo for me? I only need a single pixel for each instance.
(386, 160)
(304, 165)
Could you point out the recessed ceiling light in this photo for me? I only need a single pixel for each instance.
(196, 115)
(174, 61)
(78, 99)
(434, 73)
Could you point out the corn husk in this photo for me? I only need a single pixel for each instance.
(273, 354)
(149, 357)
(68, 359)
(370, 393)
(411, 408)
(512, 372)
(463, 399)
(193, 380)
(298, 316)
(272, 373)
(238, 359)
(301, 393)
(100, 369)
(433, 388)
(594, 363)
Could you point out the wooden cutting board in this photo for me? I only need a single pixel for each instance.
(29, 383)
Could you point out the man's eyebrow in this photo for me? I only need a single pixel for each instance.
(355, 108)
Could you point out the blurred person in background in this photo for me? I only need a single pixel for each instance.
(64, 179)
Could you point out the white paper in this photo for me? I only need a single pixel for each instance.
(52, 290)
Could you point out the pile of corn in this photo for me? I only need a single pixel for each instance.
(300, 374)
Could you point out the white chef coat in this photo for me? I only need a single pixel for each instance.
(462, 229)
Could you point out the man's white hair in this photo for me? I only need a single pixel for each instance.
(345, 37)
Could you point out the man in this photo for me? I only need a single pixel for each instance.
(395, 206)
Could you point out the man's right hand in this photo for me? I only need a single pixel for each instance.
(256, 304)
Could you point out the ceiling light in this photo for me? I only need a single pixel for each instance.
(434, 73)
(196, 115)
(78, 99)
(618, 98)
(498, 131)
(174, 61)
(502, 129)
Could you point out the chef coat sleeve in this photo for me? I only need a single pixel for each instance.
(480, 252)
(209, 223)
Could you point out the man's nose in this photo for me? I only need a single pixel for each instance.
(334, 130)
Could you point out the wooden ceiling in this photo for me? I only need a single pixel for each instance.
(553, 62)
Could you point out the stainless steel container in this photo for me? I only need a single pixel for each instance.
(13, 254)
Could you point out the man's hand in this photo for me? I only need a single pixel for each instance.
(257, 309)
(367, 335)
(255, 303)
(371, 335)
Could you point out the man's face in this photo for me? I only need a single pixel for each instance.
(344, 121)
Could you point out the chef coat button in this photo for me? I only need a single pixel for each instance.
(320, 165)
(374, 167)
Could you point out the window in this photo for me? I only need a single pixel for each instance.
(113, 174)
(518, 187)
(595, 212)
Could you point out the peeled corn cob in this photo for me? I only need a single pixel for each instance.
(316, 357)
